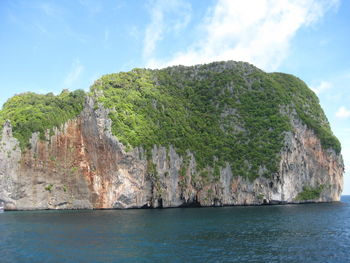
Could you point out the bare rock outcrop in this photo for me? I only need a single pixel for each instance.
(83, 166)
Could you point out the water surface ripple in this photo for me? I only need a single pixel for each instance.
(288, 233)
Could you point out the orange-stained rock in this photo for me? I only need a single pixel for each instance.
(83, 166)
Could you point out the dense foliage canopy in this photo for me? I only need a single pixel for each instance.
(30, 112)
(223, 112)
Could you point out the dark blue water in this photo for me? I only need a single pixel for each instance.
(290, 233)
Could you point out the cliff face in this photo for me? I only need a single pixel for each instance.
(83, 166)
(224, 133)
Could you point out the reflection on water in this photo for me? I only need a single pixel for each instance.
(290, 233)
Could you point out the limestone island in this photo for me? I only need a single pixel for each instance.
(218, 134)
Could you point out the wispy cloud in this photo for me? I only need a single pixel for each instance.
(58, 15)
(106, 38)
(335, 89)
(69, 31)
(170, 15)
(343, 113)
(50, 9)
(74, 74)
(323, 86)
(93, 7)
(255, 31)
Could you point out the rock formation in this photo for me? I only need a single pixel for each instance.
(83, 165)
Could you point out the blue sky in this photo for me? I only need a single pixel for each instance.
(46, 46)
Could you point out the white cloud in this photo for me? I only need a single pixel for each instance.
(255, 31)
(323, 86)
(343, 113)
(74, 74)
(170, 15)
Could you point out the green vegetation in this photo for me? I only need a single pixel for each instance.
(260, 196)
(49, 187)
(30, 112)
(222, 112)
(74, 170)
(309, 111)
(310, 193)
(231, 115)
(152, 169)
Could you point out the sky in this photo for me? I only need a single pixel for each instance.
(47, 46)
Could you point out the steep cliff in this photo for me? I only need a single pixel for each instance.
(225, 133)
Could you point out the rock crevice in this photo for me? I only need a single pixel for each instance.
(83, 166)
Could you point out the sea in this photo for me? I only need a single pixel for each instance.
(278, 233)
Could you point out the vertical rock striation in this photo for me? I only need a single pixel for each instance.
(83, 166)
(224, 133)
